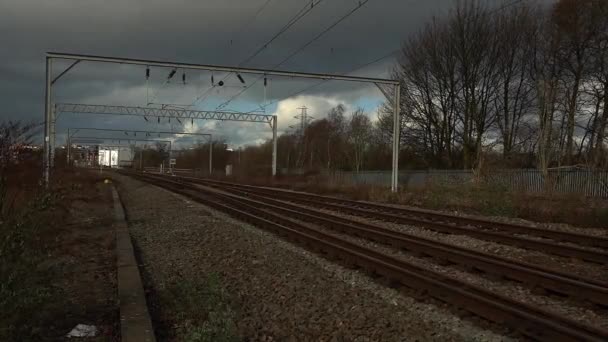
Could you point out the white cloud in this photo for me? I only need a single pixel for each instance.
(318, 107)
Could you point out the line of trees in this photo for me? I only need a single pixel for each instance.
(524, 86)
(525, 81)
(339, 141)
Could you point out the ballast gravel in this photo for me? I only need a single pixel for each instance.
(281, 291)
(573, 309)
(555, 262)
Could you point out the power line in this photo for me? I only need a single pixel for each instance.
(515, 2)
(303, 12)
(205, 94)
(329, 28)
(374, 61)
(167, 81)
(253, 18)
(359, 67)
(336, 23)
(299, 15)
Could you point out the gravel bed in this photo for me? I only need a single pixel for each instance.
(281, 291)
(579, 267)
(510, 289)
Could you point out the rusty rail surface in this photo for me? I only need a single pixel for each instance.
(526, 319)
(443, 227)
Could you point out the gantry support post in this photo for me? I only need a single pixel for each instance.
(396, 130)
(210, 157)
(47, 123)
(274, 146)
(170, 155)
(69, 148)
(52, 136)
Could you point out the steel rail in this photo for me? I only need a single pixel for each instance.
(534, 276)
(499, 237)
(581, 239)
(524, 318)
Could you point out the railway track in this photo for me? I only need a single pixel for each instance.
(502, 234)
(533, 276)
(526, 319)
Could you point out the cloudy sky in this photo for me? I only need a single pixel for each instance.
(223, 32)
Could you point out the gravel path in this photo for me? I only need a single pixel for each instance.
(281, 291)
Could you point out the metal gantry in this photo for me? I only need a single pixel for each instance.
(170, 113)
(78, 58)
(77, 129)
(80, 108)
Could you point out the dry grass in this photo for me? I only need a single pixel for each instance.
(43, 292)
(482, 199)
(487, 199)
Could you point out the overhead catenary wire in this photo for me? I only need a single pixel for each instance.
(167, 81)
(204, 95)
(249, 22)
(318, 36)
(297, 51)
(512, 3)
(374, 61)
(301, 14)
(293, 20)
(357, 68)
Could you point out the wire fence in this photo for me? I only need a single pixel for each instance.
(592, 183)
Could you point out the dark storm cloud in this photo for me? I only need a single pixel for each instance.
(193, 31)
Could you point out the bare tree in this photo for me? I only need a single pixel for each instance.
(335, 136)
(530, 83)
(514, 32)
(473, 34)
(578, 24)
(358, 135)
(546, 73)
(598, 77)
(426, 67)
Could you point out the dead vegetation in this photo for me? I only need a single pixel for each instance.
(56, 254)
